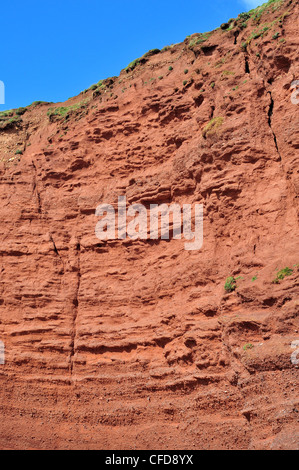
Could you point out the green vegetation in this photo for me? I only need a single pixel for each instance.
(170, 68)
(9, 119)
(152, 52)
(185, 82)
(160, 77)
(143, 59)
(257, 13)
(244, 16)
(213, 85)
(212, 127)
(248, 346)
(39, 103)
(19, 152)
(63, 112)
(198, 39)
(254, 278)
(167, 48)
(5, 114)
(227, 73)
(186, 71)
(275, 36)
(230, 284)
(21, 111)
(282, 274)
(132, 65)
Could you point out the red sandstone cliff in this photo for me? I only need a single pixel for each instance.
(136, 344)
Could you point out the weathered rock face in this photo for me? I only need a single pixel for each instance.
(135, 344)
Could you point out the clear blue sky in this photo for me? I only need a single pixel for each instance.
(52, 50)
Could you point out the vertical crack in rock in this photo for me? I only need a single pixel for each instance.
(54, 246)
(270, 114)
(75, 309)
(247, 68)
(35, 190)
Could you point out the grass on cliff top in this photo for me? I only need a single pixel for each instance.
(142, 59)
(10, 118)
(63, 112)
(13, 115)
(256, 13)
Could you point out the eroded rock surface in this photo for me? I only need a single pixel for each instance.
(135, 344)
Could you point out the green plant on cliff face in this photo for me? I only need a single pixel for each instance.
(212, 127)
(282, 274)
(248, 346)
(244, 16)
(230, 284)
(19, 152)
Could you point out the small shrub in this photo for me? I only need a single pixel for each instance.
(282, 274)
(160, 77)
(185, 82)
(276, 36)
(254, 278)
(21, 111)
(244, 16)
(152, 52)
(230, 284)
(19, 152)
(226, 73)
(38, 103)
(132, 65)
(248, 346)
(186, 71)
(170, 68)
(212, 127)
(213, 85)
